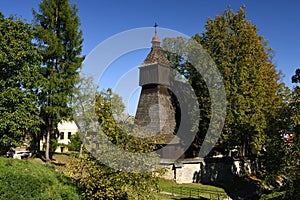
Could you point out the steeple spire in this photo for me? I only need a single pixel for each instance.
(156, 55)
(155, 40)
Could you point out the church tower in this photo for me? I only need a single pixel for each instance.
(157, 108)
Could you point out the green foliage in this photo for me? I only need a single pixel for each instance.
(27, 180)
(53, 144)
(282, 159)
(296, 77)
(60, 41)
(295, 103)
(253, 90)
(292, 169)
(133, 146)
(19, 61)
(295, 109)
(75, 143)
(109, 109)
(98, 181)
(282, 163)
(182, 65)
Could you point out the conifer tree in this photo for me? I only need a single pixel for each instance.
(60, 40)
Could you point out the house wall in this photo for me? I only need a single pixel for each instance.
(64, 128)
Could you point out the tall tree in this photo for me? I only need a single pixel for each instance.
(253, 87)
(83, 105)
(296, 77)
(107, 181)
(19, 78)
(295, 102)
(60, 40)
(294, 106)
(282, 157)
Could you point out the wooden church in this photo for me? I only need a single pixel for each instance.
(158, 109)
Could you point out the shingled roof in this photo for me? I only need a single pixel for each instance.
(156, 55)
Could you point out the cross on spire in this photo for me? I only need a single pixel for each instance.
(155, 40)
(155, 26)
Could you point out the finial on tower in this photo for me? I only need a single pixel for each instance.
(155, 40)
(155, 26)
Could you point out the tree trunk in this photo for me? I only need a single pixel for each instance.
(38, 142)
(80, 152)
(47, 153)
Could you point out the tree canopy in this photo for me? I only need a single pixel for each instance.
(19, 82)
(99, 180)
(253, 87)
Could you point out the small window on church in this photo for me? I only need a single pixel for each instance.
(69, 135)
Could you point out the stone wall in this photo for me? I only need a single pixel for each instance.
(209, 170)
(216, 170)
(187, 173)
(183, 171)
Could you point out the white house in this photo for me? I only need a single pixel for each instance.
(66, 129)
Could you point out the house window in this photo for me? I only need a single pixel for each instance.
(62, 135)
(69, 135)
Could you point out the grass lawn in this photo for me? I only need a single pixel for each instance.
(29, 179)
(159, 196)
(33, 179)
(194, 190)
(272, 195)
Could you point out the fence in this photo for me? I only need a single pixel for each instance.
(198, 193)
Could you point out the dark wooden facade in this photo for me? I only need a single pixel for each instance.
(157, 105)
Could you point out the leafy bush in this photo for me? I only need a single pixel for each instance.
(97, 181)
(75, 143)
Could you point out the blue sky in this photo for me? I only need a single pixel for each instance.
(277, 21)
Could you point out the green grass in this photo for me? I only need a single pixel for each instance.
(32, 179)
(272, 195)
(193, 190)
(22, 180)
(159, 196)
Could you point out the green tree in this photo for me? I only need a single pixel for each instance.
(99, 181)
(181, 63)
(281, 166)
(296, 77)
(294, 105)
(295, 102)
(60, 40)
(83, 104)
(19, 81)
(75, 143)
(253, 88)
(282, 159)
